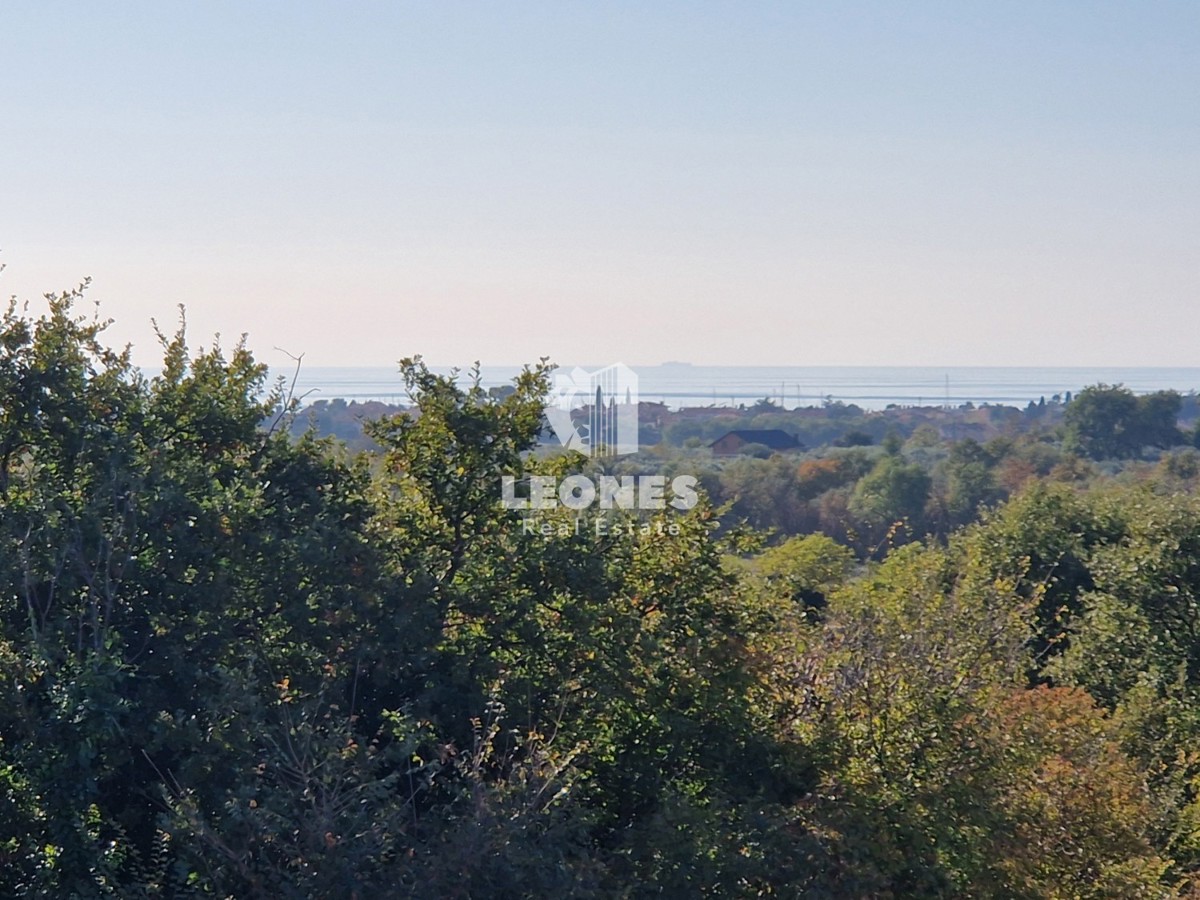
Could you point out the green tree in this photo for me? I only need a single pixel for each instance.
(184, 596)
(967, 482)
(1107, 422)
(805, 569)
(941, 774)
(238, 663)
(893, 492)
(621, 638)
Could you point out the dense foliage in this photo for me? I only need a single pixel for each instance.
(236, 664)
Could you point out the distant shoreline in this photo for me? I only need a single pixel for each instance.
(870, 387)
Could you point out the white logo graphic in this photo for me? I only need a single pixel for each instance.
(607, 403)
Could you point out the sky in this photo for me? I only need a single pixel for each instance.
(951, 183)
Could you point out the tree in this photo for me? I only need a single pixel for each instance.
(941, 774)
(1106, 422)
(967, 482)
(234, 662)
(169, 570)
(1158, 415)
(893, 492)
(764, 492)
(805, 569)
(619, 640)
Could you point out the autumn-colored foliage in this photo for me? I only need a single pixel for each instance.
(236, 663)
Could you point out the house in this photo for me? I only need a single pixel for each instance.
(771, 438)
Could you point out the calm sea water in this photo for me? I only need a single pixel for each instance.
(871, 387)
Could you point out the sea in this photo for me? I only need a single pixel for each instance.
(681, 385)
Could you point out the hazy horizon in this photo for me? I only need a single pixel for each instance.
(860, 184)
(870, 387)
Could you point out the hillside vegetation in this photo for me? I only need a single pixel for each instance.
(240, 664)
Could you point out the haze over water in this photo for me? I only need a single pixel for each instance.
(870, 387)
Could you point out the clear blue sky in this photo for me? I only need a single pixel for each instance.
(839, 183)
